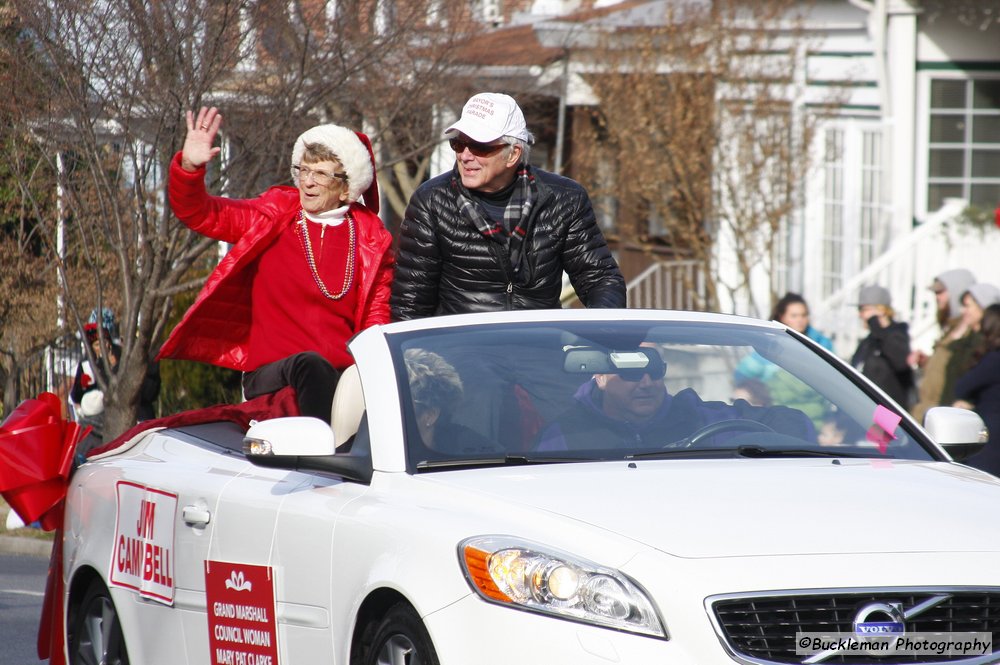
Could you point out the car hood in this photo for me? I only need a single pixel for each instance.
(727, 508)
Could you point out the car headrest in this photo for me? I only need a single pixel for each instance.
(348, 406)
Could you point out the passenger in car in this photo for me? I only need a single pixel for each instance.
(839, 429)
(310, 266)
(436, 390)
(631, 407)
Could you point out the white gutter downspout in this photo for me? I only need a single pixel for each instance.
(878, 23)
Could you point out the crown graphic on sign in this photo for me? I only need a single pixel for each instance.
(237, 582)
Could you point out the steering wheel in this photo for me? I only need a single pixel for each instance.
(711, 429)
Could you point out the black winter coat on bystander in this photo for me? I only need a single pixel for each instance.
(882, 357)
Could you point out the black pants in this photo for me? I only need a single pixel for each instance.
(310, 374)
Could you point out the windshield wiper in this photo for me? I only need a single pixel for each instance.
(741, 451)
(663, 453)
(760, 452)
(506, 460)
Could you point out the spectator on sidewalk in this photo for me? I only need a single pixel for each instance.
(93, 372)
(883, 356)
(979, 389)
(975, 300)
(948, 288)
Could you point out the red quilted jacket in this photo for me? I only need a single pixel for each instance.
(216, 329)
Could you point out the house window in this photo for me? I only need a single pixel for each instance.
(488, 11)
(964, 150)
(833, 210)
(854, 210)
(871, 208)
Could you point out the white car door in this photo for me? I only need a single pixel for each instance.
(199, 486)
(267, 571)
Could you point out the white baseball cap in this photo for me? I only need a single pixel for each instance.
(489, 115)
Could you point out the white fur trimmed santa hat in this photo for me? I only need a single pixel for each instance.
(353, 150)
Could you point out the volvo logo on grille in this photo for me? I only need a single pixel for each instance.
(883, 621)
(877, 621)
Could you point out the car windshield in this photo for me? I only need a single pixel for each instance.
(542, 393)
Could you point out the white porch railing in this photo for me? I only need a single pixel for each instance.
(668, 285)
(907, 270)
(662, 285)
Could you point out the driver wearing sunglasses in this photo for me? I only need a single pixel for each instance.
(632, 408)
(496, 233)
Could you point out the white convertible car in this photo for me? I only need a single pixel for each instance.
(552, 487)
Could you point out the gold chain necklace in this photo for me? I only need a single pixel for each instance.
(311, 260)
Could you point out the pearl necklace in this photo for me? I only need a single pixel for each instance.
(311, 260)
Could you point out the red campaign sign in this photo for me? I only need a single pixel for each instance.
(143, 554)
(242, 628)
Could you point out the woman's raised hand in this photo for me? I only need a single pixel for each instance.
(201, 131)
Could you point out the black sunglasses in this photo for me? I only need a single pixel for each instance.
(476, 148)
(635, 375)
(656, 369)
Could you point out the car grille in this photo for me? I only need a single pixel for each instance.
(763, 628)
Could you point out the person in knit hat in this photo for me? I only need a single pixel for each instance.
(948, 288)
(883, 355)
(310, 265)
(975, 299)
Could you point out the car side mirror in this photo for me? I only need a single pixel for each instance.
(961, 432)
(304, 444)
(285, 437)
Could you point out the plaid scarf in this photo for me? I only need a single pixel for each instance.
(516, 217)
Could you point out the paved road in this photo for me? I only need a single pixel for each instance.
(22, 583)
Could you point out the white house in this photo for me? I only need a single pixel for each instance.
(912, 139)
(918, 140)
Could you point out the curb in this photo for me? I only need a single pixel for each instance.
(25, 546)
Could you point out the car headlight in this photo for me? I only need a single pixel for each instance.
(518, 573)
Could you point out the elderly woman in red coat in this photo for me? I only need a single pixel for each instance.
(310, 265)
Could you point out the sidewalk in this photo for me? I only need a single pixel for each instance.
(24, 545)
(25, 541)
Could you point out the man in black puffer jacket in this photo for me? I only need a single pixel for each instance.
(495, 233)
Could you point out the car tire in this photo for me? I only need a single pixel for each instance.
(401, 639)
(95, 632)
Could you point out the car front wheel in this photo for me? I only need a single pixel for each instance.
(95, 633)
(401, 639)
